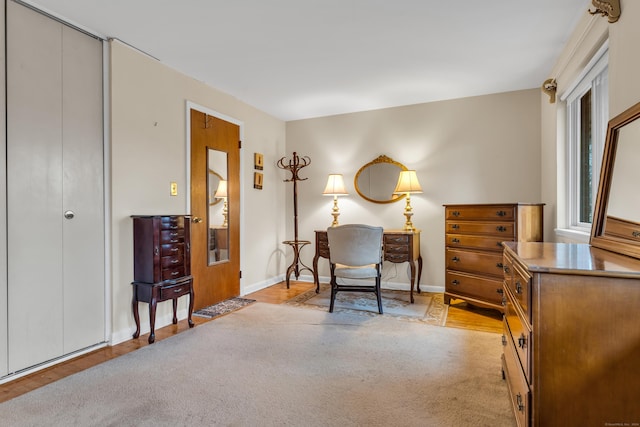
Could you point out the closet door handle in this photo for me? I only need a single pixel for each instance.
(69, 214)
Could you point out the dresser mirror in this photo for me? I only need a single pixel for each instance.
(616, 221)
(376, 180)
(218, 208)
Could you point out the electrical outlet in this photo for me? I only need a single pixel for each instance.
(174, 188)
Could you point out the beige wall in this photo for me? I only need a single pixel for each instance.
(483, 149)
(149, 150)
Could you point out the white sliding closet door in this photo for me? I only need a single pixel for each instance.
(54, 165)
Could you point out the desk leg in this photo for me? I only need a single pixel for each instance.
(190, 304)
(136, 315)
(316, 279)
(419, 273)
(412, 265)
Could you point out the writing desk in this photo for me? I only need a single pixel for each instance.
(398, 246)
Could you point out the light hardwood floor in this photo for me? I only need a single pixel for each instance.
(460, 315)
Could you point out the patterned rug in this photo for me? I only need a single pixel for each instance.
(428, 307)
(224, 307)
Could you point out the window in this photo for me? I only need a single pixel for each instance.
(587, 117)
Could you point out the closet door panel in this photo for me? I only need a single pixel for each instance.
(34, 187)
(83, 235)
(4, 369)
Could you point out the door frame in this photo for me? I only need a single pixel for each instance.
(190, 105)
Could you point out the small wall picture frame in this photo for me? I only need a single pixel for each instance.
(257, 180)
(258, 161)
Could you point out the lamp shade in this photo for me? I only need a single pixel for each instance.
(408, 183)
(221, 192)
(335, 186)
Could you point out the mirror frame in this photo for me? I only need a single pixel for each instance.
(600, 237)
(380, 159)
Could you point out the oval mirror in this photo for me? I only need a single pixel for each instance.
(616, 222)
(376, 180)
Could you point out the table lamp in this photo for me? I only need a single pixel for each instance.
(408, 184)
(221, 193)
(335, 188)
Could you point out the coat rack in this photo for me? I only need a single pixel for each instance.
(294, 165)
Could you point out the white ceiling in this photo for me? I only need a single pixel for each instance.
(298, 59)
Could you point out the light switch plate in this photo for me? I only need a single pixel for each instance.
(174, 188)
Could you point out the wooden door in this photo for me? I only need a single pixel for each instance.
(214, 280)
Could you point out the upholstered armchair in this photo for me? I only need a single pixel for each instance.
(355, 256)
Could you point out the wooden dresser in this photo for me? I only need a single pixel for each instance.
(161, 265)
(473, 247)
(571, 335)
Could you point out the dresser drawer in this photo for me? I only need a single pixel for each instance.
(504, 229)
(475, 262)
(171, 222)
(172, 236)
(322, 244)
(173, 273)
(172, 249)
(174, 291)
(489, 243)
(520, 288)
(171, 261)
(519, 392)
(520, 333)
(496, 212)
(474, 286)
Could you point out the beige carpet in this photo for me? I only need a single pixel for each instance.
(427, 307)
(277, 365)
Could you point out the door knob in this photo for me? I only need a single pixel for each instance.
(197, 220)
(69, 214)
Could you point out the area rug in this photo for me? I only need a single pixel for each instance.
(428, 307)
(224, 307)
(278, 365)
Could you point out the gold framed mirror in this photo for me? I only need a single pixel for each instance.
(616, 219)
(376, 180)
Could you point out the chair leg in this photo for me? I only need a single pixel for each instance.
(333, 294)
(378, 295)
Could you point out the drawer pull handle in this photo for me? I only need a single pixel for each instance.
(522, 341)
(504, 340)
(174, 249)
(173, 227)
(455, 226)
(177, 291)
(499, 265)
(500, 291)
(156, 251)
(507, 270)
(175, 261)
(636, 234)
(501, 228)
(518, 287)
(501, 213)
(455, 213)
(175, 273)
(454, 240)
(455, 259)
(174, 234)
(520, 403)
(455, 282)
(499, 244)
